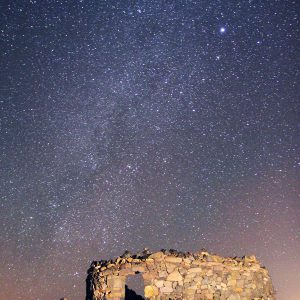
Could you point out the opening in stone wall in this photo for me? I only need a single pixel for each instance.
(134, 289)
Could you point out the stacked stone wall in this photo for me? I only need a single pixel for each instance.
(177, 275)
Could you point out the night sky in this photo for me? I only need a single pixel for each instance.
(160, 124)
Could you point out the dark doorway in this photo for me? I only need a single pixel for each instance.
(134, 288)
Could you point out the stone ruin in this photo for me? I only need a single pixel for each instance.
(170, 275)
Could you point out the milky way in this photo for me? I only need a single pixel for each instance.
(160, 124)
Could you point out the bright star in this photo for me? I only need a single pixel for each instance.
(222, 29)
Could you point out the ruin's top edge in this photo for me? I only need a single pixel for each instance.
(174, 255)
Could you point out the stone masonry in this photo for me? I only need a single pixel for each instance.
(177, 275)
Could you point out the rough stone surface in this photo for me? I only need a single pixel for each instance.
(169, 274)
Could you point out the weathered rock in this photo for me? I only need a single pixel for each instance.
(173, 259)
(157, 256)
(151, 291)
(175, 276)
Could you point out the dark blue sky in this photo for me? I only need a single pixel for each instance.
(167, 124)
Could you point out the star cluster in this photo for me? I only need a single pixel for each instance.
(160, 124)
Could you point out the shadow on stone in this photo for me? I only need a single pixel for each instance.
(131, 294)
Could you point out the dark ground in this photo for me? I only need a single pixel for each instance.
(131, 294)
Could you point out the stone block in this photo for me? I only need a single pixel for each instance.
(194, 270)
(151, 291)
(166, 289)
(175, 276)
(173, 259)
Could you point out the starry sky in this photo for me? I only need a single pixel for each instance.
(160, 124)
